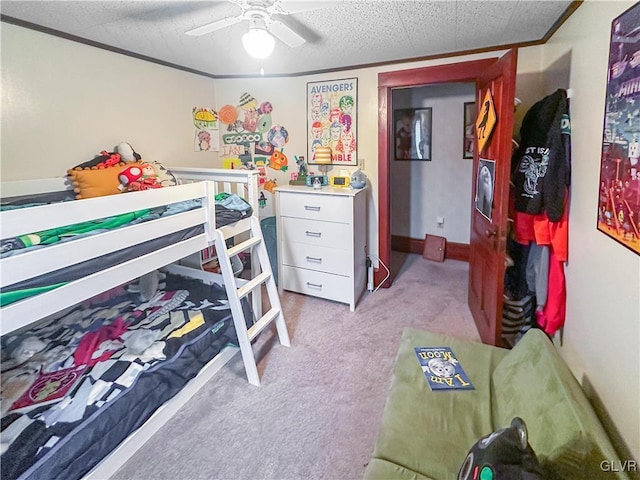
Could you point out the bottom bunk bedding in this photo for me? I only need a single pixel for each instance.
(123, 358)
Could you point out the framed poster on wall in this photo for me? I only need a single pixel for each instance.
(468, 138)
(619, 189)
(412, 133)
(332, 120)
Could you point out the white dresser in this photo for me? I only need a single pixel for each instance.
(322, 242)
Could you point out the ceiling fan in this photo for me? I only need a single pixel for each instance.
(263, 15)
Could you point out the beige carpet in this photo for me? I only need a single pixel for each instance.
(317, 413)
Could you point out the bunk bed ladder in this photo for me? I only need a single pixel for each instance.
(235, 295)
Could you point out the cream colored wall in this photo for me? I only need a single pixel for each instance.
(289, 94)
(288, 97)
(602, 330)
(64, 102)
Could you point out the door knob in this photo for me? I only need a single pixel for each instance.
(491, 233)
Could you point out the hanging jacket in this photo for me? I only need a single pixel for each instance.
(537, 228)
(542, 162)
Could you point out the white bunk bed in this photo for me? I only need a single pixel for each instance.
(196, 184)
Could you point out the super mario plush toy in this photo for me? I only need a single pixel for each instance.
(137, 178)
(128, 176)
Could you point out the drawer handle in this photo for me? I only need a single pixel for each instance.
(313, 234)
(314, 259)
(314, 285)
(309, 207)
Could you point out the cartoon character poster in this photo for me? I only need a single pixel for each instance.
(619, 192)
(332, 120)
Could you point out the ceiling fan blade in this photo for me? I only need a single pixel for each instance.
(286, 34)
(300, 6)
(213, 26)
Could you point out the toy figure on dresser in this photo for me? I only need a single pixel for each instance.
(320, 180)
(299, 178)
(302, 166)
(358, 179)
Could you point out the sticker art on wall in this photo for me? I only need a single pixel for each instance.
(206, 138)
(253, 140)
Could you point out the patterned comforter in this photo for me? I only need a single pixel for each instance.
(131, 356)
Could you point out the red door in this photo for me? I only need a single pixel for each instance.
(490, 201)
(488, 235)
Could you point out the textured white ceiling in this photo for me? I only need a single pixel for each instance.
(339, 33)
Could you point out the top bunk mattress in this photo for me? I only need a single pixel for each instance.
(229, 208)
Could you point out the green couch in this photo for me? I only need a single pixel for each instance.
(427, 434)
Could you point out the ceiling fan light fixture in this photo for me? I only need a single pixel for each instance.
(258, 43)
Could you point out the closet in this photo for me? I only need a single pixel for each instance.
(537, 249)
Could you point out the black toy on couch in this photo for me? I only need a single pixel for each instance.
(502, 455)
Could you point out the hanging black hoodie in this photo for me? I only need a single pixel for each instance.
(542, 162)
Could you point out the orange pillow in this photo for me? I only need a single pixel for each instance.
(97, 182)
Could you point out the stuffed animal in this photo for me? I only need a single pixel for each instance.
(110, 159)
(123, 153)
(147, 181)
(134, 178)
(127, 152)
(358, 179)
(128, 176)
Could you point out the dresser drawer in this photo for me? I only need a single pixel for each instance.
(329, 208)
(313, 232)
(313, 257)
(318, 284)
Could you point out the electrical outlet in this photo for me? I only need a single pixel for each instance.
(361, 164)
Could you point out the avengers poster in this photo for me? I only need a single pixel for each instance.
(619, 196)
(332, 120)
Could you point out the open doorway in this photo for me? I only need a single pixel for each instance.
(494, 80)
(431, 195)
